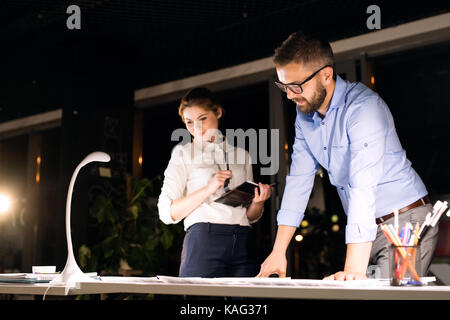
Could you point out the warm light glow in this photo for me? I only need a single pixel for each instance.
(372, 80)
(38, 170)
(334, 218)
(298, 238)
(286, 147)
(335, 228)
(305, 223)
(140, 160)
(5, 203)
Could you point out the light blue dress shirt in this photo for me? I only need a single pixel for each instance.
(358, 145)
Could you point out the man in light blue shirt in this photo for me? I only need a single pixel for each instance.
(348, 130)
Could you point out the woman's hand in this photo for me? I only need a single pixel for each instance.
(183, 207)
(255, 209)
(218, 180)
(265, 191)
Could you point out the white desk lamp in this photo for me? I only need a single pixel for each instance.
(72, 272)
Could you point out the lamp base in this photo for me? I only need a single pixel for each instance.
(71, 274)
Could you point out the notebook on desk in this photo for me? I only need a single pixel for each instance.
(20, 278)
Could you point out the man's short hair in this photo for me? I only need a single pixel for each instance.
(303, 48)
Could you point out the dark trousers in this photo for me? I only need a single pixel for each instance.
(218, 250)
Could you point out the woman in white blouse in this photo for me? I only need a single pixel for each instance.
(218, 237)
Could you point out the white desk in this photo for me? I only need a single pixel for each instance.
(31, 289)
(278, 291)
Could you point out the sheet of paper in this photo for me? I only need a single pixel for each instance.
(251, 281)
(112, 279)
(15, 275)
(20, 278)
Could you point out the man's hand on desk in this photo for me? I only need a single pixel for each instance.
(275, 263)
(356, 262)
(345, 275)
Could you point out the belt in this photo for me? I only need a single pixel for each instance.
(219, 228)
(421, 202)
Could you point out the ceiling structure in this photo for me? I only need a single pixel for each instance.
(157, 41)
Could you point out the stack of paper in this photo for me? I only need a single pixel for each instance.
(20, 278)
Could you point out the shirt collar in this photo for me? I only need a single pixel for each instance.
(219, 142)
(338, 98)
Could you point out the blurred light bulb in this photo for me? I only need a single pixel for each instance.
(305, 224)
(334, 218)
(335, 228)
(5, 203)
(298, 238)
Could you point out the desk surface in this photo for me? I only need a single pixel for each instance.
(270, 291)
(282, 290)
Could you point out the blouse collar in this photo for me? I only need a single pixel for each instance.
(219, 142)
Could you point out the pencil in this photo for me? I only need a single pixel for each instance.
(416, 241)
(396, 221)
(395, 236)
(401, 250)
(416, 234)
(388, 233)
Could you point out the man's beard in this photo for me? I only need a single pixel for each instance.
(308, 107)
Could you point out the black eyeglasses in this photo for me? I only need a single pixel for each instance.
(297, 87)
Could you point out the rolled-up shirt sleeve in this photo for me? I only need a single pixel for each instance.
(174, 185)
(299, 182)
(367, 131)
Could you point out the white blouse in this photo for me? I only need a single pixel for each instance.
(190, 168)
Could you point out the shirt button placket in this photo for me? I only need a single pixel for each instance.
(323, 135)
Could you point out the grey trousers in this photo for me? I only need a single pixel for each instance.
(379, 256)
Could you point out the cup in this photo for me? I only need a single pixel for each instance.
(404, 268)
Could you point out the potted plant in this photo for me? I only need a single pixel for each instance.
(127, 237)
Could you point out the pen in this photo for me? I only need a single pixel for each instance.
(432, 218)
(402, 235)
(436, 209)
(396, 221)
(425, 223)
(438, 214)
(228, 168)
(410, 231)
(407, 234)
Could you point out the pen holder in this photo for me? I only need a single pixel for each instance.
(403, 266)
